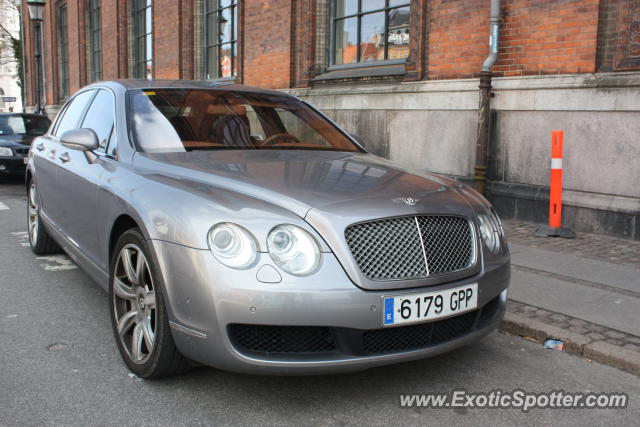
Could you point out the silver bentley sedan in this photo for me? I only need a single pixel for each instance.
(240, 228)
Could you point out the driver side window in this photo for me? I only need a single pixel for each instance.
(73, 113)
(99, 118)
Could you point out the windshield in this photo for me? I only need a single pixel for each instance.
(23, 125)
(178, 120)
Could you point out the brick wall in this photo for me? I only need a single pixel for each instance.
(110, 51)
(548, 37)
(74, 46)
(619, 35)
(29, 63)
(166, 46)
(458, 37)
(607, 33)
(537, 37)
(50, 55)
(279, 41)
(267, 43)
(304, 43)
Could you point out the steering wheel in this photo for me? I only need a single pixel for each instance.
(274, 139)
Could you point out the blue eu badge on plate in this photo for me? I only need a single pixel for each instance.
(388, 311)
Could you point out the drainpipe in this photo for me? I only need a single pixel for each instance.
(484, 109)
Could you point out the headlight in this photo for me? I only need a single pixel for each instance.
(4, 151)
(232, 245)
(293, 249)
(498, 222)
(490, 232)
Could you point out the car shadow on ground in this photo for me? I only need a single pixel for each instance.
(452, 368)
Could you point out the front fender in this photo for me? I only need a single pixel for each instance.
(181, 211)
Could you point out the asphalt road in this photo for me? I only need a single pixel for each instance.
(59, 365)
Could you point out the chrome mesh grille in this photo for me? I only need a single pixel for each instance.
(448, 243)
(412, 247)
(387, 249)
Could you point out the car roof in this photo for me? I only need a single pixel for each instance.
(130, 84)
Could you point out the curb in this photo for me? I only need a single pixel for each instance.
(574, 343)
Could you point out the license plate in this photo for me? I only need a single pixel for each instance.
(418, 308)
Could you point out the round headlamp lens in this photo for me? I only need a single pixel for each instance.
(293, 249)
(282, 241)
(232, 245)
(223, 239)
(489, 233)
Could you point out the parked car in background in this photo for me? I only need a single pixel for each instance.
(242, 229)
(17, 130)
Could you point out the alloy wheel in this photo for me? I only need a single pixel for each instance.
(33, 214)
(134, 304)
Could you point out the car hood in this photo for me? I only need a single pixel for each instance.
(15, 140)
(300, 181)
(329, 190)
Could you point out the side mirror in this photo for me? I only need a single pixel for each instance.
(84, 140)
(80, 139)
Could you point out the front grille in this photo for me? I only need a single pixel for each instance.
(23, 151)
(412, 247)
(314, 340)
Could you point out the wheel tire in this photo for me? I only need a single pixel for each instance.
(39, 240)
(130, 291)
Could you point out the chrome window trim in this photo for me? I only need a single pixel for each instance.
(60, 116)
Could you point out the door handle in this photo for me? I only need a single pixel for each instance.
(40, 147)
(64, 157)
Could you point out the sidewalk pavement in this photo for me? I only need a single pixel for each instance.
(584, 292)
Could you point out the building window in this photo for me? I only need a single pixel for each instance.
(143, 39)
(220, 40)
(94, 42)
(63, 51)
(368, 31)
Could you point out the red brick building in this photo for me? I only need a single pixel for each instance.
(403, 75)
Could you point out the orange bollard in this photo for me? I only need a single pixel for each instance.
(555, 228)
(555, 196)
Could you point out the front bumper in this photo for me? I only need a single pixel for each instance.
(207, 300)
(11, 165)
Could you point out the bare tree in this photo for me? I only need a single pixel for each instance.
(10, 36)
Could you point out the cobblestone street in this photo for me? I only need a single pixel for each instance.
(589, 245)
(609, 286)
